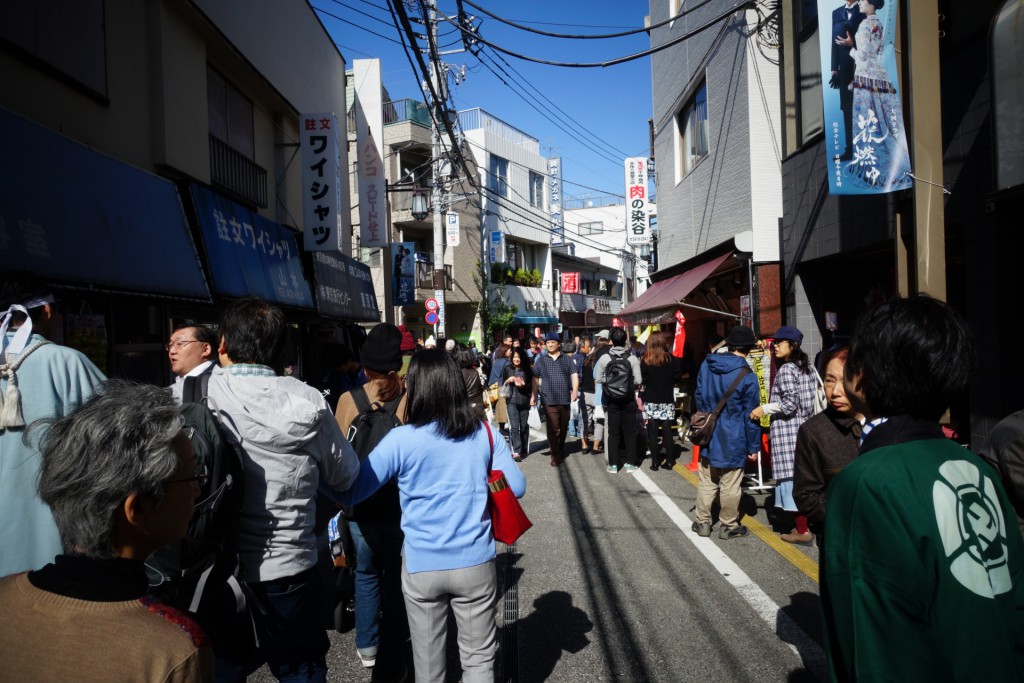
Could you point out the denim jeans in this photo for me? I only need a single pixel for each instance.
(289, 623)
(381, 624)
(519, 428)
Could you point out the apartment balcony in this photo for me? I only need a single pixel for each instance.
(425, 274)
(235, 174)
(474, 119)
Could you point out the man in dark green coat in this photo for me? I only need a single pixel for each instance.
(923, 572)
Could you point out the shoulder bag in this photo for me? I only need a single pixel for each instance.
(702, 425)
(508, 519)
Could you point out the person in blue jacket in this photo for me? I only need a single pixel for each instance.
(441, 458)
(735, 438)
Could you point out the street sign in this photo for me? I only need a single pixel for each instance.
(431, 305)
(452, 229)
(431, 318)
(439, 295)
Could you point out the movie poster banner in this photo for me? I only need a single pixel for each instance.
(865, 139)
(403, 282)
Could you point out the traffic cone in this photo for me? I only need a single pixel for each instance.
(695, 463)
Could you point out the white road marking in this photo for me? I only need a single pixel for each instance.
(781, 623)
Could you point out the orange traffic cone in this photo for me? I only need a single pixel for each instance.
(695, 463)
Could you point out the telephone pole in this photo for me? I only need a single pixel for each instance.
(439, 81)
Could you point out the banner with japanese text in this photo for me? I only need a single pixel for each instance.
(555, 205)
(403, 273)
(369, 106)
(866, 144)
(344, 287)
(637, 224)
(570, 283)
(321, 182)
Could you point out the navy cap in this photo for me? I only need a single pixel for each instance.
(789, 333)
(552, 336)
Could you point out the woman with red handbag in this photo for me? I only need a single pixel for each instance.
(442, 458)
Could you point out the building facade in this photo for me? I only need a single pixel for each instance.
(716, 129)
(163, 136)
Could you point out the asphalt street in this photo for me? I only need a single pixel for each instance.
(612, 585)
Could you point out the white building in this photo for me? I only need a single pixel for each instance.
(513, 181)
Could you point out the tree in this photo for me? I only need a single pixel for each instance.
(496, 313)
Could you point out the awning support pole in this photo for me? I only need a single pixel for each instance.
(710, 310)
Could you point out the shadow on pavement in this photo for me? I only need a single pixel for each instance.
(564, 627)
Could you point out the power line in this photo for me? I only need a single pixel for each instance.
(517, 90)
(591, 36)
(555, 105)
(473, 36)
(355, 9)
(352, 23)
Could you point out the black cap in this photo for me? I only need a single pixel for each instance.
(741, 336)
(382, 350)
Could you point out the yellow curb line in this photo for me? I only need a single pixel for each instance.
(795, 557)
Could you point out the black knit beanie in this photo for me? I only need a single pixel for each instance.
(382, 349)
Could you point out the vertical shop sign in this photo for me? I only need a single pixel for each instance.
(865, 139)
(637, 228)
(497, 252)
(373, 219)
(555, 190)
(321, 183)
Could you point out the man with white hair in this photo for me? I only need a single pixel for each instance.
(38, 379)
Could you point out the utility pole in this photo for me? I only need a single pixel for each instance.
(439, 81)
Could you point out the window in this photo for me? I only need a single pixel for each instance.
(370, 256)
(497, 181)
(68, 36)
(230, 114)
(536, 190)
(809, 105)
(514, 254)
(1007, 95)
(691, 128)
(594, 228)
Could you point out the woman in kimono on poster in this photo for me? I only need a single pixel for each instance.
(880, 156)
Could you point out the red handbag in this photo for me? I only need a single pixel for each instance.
(508, 519)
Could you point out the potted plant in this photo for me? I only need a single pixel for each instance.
(535, 278)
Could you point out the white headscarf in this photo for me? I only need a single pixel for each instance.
(10, 407)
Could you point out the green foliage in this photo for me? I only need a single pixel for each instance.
(496, 313)
(522, 278)
(535, 278)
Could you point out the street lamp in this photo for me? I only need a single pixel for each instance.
(420, 206)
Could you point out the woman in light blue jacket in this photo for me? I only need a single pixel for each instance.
(441, 458)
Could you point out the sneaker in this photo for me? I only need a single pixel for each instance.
(630, 468)
(517, 457)
(794, 537)
(612, 469)
(368, 660)
(702, 528)
(737, 531)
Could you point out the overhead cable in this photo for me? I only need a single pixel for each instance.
(473, 35)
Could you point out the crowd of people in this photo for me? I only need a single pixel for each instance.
(99, 474)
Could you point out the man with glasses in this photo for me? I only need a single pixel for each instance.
(192, 350)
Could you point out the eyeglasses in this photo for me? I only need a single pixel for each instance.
(179, 343)
(201, 475)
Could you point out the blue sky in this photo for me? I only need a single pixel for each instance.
(604, 109)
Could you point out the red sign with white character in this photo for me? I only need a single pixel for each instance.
(570, 283)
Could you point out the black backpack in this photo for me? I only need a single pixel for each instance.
(187, 574)
(618, 380)
(366, 431)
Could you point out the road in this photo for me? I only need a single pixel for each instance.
(612, 585)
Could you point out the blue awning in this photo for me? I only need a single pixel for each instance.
(534, 320)
(248, 254)
(76, 216)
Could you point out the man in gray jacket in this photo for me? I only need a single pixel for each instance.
(291, 442)
(620, 411)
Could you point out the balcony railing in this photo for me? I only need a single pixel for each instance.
(408, 109)
(472, 119)
(232, 171)
(425, 274)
